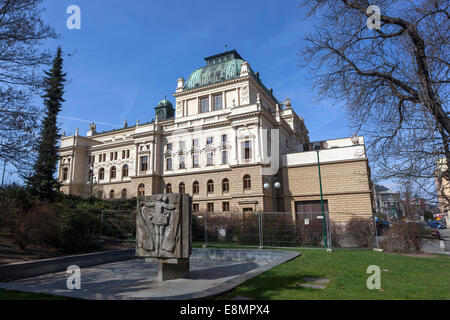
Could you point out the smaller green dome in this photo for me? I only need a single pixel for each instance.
(164, 102)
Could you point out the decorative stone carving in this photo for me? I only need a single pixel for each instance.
(179, 110)
(244, 96)
(164, 226)
(288, 103)
(245, 69)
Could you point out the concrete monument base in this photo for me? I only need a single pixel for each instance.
(170, 269)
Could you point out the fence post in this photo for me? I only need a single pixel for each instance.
(330, 246)
(262, 229)
(206, 229)
(101, 224)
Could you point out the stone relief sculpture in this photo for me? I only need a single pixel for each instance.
(163, 226)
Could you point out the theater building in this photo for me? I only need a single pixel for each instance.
(225, 137)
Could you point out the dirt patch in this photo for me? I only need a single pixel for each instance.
(11, 253)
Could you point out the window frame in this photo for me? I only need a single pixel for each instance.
(210, 186)
(144, 163)
(195, 187)
(247, 182)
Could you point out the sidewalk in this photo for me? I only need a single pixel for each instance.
(434, 246)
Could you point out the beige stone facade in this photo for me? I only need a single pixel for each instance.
(225, 126)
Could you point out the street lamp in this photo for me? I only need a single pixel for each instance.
(275, 185)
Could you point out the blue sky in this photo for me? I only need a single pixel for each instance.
(128, 55)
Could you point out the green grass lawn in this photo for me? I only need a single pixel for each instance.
(408, 278)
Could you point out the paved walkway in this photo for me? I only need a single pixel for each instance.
(434, 246)
(137, 279)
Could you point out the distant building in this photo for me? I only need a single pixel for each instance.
(387, 202)
(442, 186)
(216, 144)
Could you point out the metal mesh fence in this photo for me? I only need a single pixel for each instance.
(118, 224)
(261, 229)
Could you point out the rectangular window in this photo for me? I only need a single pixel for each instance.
(210, 159)
(195, 163)
(123, 154)
(225, 206)
(169, 147)
(104, 157)
(111, 156)
(209, 140)
(115, 155)
(182, 162)
(65, 174)
(144, 164)
(195, 207)
(217, 102)
(269, 142)
(210, 207)
(224, 157)
(169, 164)
(194, 143)
(247, 150)
(128, 154)
(204, 105)
(182, 145)
(224, 138)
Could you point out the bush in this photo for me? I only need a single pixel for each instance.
(404, 237)
(39, 225)
(76, 231)
(361, 232)
(337, 235)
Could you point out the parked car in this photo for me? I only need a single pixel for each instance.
(437, 225)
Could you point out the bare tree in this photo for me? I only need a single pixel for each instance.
(21, 34)
(393, 79)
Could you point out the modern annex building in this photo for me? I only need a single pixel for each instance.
(226, 137)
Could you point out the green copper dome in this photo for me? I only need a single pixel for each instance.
(164, 102)
(219, 68)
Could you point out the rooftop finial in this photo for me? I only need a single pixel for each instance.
(226, 48)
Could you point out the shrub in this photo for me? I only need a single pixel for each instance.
(39, 225)
(404, 237)
(76, 231)
(361, 232)
(337, 234)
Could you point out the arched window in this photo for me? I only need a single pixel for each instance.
(125, 171)
(101, 174)
(210, 186)
(195, 188)
(111, 194)
(225, 185)
(141, 190)
(168, 188)
(247, 182)
(112, 173)
(124, 193)
(182, 188)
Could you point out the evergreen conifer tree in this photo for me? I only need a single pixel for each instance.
(43, 182)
